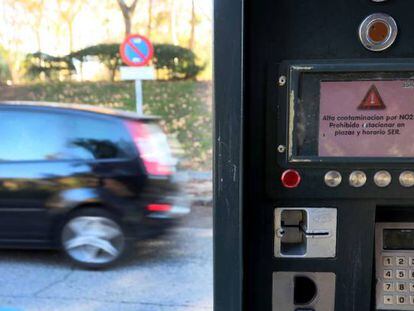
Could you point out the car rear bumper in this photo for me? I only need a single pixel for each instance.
(153, 223)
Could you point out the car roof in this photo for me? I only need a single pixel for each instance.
(79, 107)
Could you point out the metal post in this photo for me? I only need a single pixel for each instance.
(138, 96)
(228, 221)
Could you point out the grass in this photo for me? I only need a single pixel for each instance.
(184, 106)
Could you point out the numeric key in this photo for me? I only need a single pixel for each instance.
(401, 274)
(401, 300)
(401, 261)
(388, 300)
(387, 274)
(401, 287)
(388, 287)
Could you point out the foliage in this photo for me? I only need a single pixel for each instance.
(176, 62)
(185, 110)
(68, 11)
(107, 54)
(5, 73)
(40, 65)
(57, 25)
(184, 107)
(172, 62)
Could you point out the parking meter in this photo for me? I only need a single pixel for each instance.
(314, 156)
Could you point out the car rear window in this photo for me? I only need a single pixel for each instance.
(33, 136)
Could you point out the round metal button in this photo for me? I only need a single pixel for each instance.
(382, 179)
(357, 179)
(407, 179)
(378, 32)
(333, 179)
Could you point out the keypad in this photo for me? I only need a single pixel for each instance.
(398, 281)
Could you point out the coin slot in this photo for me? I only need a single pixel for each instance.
(293, 240)
(304, 290)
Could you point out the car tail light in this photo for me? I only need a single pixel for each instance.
(153, 147)
(159, 207)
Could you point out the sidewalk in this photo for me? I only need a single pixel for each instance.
(198, 185)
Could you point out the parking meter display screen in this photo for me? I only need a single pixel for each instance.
(360, 115)
(369, 118)
(398, 239)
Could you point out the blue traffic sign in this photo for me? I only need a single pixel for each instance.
(136, 50)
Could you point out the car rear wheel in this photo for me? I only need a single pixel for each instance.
(93, 238)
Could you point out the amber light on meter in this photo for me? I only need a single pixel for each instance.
(378, 32)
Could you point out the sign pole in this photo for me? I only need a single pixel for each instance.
(138, 96)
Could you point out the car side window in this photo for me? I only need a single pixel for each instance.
(95, 138)
(36, 136)
(26, 136)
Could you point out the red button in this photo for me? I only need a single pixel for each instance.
(290, 178)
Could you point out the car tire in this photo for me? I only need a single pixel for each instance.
(93, 238)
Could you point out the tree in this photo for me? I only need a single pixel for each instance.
(41, 65)
(173, 22)
(175, 62)
(149, 25)
(5, 73)
(127, 13)
(11, 41)
(68, 11)
(193, 26)
(108, 55)
(35, 9)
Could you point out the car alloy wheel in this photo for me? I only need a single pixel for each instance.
(93, 241)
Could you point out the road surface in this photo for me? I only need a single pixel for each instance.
(172, 273)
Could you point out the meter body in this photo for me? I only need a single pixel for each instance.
(314, 180)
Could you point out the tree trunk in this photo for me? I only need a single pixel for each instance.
(14, 70)
(173, 21)
(127, 20)
(70, 28)
(193, 26)
(81, 69)
(127, 13)
(38, 25)
(149, 26)
(113, 74)
(38, 40)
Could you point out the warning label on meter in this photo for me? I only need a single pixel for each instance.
(367, 119)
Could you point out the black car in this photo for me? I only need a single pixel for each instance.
(85, 179)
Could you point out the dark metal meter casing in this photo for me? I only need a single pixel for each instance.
(256, 43)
